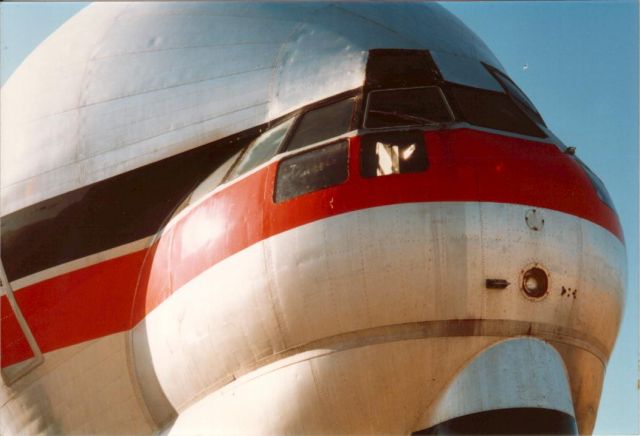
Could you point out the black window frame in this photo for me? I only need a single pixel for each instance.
(442, 93)
(462, 115)
(299, 115)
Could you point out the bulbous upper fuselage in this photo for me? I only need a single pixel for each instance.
(298, 217)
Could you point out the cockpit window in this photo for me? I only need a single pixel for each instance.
(213, 180)
(323, 123)
(518, 95)
(421, 106)
(493, 110)
(312, 170)
(387, 153)
(601, 190)
(262, 149)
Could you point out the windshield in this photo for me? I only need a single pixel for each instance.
(407, 107)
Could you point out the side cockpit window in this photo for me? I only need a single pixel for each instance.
(227, 158)
(421, 106)
(307, 171)
(312, 170)
(483, 96)
(323, 123)
(323, 166)
(262, 149)
(597, 184)
(493, 110)
(214, 179)
(518, 95)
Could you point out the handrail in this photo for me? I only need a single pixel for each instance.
(38, 358)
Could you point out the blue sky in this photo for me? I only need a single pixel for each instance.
(577, 61)
(581, 71)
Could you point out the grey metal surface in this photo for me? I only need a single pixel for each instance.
(331, 287)
(521, 372)
(121, 85)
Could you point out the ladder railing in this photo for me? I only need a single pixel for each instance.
(20, 370)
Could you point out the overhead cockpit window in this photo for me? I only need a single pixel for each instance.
(518, 95)
(323, 123)
(423, 106)
(390, 153)
(400, 68)
(493, 110)
(465, 71)
(311, 171)
(262, 149)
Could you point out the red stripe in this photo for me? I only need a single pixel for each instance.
(72, 308)
(464, 165)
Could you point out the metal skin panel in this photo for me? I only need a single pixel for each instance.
(345, 310)
(515, 373)
(334, 392)
(192, 240)
(119, 86)
(73, 391)
(331, 392)
(332, 285)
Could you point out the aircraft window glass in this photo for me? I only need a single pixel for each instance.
(311, 171)
(214, 179)
(601, 190)
(262, 149)
(407, 107)
(493, 110)
(210, 183)
(519, 96)
(389, 153)
(323, 123)
(465, 71)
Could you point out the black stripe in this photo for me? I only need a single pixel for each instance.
(118, 210)
(109, 213)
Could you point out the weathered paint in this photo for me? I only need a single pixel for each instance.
(350, 309)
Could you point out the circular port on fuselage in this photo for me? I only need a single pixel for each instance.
(535, 282)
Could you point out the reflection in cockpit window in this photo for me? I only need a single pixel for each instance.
(262, 149)
(422, 106)
(390, 153)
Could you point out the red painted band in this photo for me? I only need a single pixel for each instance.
(71, 308)
(464, 165)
